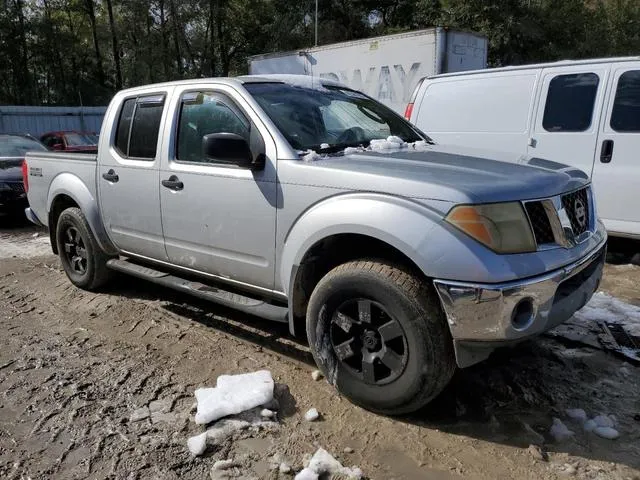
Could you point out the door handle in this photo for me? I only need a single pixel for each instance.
(173, 183)
(111, 176)
(606, 153)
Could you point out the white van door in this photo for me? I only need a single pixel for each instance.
(567, 115)
(617, 167)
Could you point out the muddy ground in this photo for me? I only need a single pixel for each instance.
(74, 366)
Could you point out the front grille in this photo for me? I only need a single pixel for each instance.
(540, 224)
(576, 204)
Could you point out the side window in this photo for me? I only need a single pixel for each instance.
(139, 127)
(203, 113)
(625, 116)
(124, 126)
(570, 102)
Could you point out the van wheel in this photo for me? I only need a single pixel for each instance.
(379, 334)
(83, 260)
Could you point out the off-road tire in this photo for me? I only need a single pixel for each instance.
(96, 273)
(414, 304)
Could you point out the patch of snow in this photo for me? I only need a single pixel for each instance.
(311, 415)
(316, 375)
(589, 426)
(197, 444)
(233, 394)
(603, 421)
(311, 156)
(322, 463)
(352, 150)
(604, 307)
(390, 143)
(266, 413)
(607, 432)
(576, 414)
(284, 468)
(307, 474)
(420, 145)
(324, 145)
(559, 431)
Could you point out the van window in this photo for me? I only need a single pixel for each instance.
(477, 104)
(570, 102)
(625, 116)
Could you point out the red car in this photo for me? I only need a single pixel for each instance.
(71, 141)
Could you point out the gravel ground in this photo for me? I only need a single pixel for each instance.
(75, 366)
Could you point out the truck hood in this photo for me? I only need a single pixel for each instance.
(10, 169)
(456, 174)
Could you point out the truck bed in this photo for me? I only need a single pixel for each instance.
(49, 171)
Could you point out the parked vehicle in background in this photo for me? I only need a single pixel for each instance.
(71, 141)
(586, 113)
(386, 68)
(13, 199)
(301, 200)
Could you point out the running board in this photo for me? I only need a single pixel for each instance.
(249, 305)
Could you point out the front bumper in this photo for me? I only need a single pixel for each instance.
(482, 317)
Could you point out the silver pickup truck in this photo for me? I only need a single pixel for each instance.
(300, 200)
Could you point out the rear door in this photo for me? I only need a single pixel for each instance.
(617, 167)
(568, 112)
(128, 176)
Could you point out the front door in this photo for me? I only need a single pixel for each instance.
(128, 177)
(568, 113)
(218, 219)
(617, 167)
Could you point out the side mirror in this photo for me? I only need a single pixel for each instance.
(57, 146)
(228, 148)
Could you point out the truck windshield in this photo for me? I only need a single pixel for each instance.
(329, 118)
(17, 146)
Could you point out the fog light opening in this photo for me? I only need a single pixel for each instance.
(522, 317)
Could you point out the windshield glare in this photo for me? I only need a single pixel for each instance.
(328, 117)
(17, 146)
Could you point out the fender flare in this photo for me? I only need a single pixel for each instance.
(71, 186)
(399, 222)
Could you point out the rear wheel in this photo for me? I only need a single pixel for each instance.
(83, 260)
(379, 335)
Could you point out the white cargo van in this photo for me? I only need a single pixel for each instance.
(582, 113)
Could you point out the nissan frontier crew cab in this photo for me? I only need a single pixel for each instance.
(300, 200)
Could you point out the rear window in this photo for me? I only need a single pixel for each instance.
(139, 127)
(570, 102)
(625, 116)
(17, 146)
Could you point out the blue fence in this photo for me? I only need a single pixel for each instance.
(39, 120)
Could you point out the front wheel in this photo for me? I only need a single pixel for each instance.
(83, 260)
(380, 336)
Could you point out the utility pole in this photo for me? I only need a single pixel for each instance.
(316, 42)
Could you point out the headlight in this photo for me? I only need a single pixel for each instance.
(503, 227)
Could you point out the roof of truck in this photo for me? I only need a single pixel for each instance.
(298, 80)
(560, 63)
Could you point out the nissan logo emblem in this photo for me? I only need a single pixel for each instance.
(581, 212)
